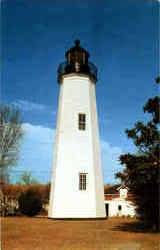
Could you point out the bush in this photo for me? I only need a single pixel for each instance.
(30, 202)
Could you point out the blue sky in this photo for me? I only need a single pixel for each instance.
(122, 39)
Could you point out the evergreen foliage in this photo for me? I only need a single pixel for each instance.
(30, 202)
(142, 170)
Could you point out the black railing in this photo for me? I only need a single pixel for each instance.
(88, 69)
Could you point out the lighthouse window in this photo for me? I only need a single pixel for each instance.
(69, 58)
(82, 181)
(82, 121)
(83, 58)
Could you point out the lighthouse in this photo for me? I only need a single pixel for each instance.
(77, 189)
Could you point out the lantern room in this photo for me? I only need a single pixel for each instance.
(77, 62)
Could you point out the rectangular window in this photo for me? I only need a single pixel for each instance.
(83, 181)
(82, 121)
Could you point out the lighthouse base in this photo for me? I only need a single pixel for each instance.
(79, 219)
(63, 211)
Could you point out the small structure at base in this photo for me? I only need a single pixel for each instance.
(119, 202)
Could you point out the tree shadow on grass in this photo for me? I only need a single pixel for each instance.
(135, 227)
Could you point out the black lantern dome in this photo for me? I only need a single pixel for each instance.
(77, 54)
(77, 62)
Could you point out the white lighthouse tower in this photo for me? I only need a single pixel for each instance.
(77, 189)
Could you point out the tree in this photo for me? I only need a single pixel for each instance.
(27, 179)
(158, 79)
(10, 135)
(142, 169)
(30, 202)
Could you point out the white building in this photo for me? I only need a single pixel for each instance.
(77, 189)
(120, 203)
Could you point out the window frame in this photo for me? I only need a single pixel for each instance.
(81, 121)
(83, 181)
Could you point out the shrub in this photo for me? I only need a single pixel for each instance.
(30, 202)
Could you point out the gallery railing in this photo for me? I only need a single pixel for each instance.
(88, 69)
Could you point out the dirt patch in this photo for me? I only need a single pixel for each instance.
(22, 233)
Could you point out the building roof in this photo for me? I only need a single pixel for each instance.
(113, 192)
(108, 189)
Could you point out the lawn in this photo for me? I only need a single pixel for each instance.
(23, 233)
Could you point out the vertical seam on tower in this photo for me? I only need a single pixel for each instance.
(56, 144)
(92, 142)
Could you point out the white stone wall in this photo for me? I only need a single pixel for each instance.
(76, 151)
(128, 208)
